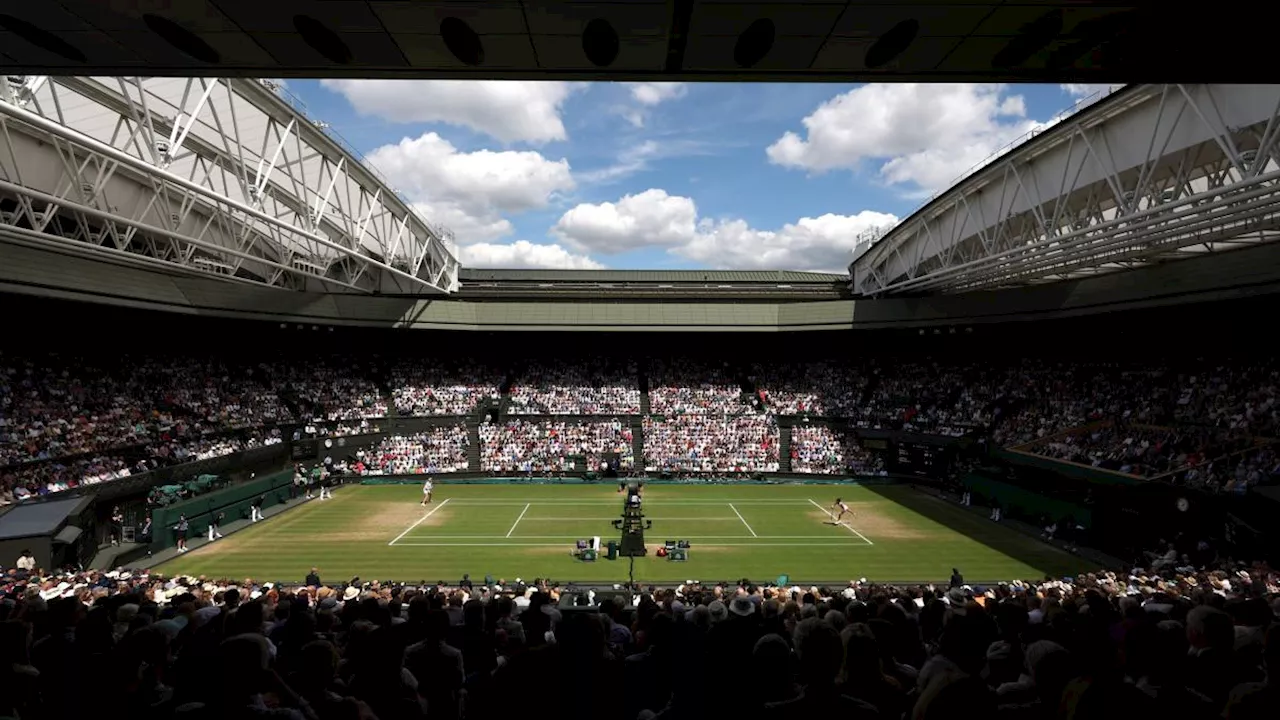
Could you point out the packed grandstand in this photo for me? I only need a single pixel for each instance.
(1184, 626)
(1185, 642)
(69, 420)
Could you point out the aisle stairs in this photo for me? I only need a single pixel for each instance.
(784, 447)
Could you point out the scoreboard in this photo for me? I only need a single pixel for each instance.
(305, 449)
(921, 458)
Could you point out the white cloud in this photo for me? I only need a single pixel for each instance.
(654, 218)
(650, 93)
(511, 111)
(921, 135)
(639, 157)
(1079, 90)
(823, 243)
(524, 254)
(630, 161)
(1086, 95)
(646, 219)
(470, 192)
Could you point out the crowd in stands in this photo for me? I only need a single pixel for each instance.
(819, 450)
(552, 446)
(1047, 398)
(364, 426)
(69, 419)
(693, 387)
(436, 387)
(577, 388)
(819, 389)
(919, 397)
(1241, 397)
(331, 388)
(861, 461)
(1185, 643)
(52, 476)
(442, 449)
(1142, 450)
(710, 443)
(1234, 472)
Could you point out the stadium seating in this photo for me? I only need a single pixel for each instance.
(68, 420)
(554, 446)
(1015, 649)
(711, 444)
(434, 387)
(1101, 645)
(439, 450)
(576, 388)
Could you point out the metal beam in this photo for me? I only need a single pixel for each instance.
(1150, 174)
(177, 149)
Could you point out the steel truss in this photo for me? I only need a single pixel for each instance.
(218, 178)
(1153, 173)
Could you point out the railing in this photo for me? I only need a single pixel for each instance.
(1023, 447)
(1165, 476)
(1171, 475)
(141, 482)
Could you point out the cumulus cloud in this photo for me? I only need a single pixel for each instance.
(654, 218)
(651, 93)
(650, 218)
(648, 95)
(917, 135)
(524, 254)
(510, 111)
(470, 192)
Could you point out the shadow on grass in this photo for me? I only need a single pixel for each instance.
(1005, 540)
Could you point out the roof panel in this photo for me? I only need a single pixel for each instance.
(399, 38)
(674, 276)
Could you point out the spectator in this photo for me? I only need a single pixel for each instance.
(547, 446)
(443, 449)
(708, 443)
(441, 387)
(683, 386)
(587, 388)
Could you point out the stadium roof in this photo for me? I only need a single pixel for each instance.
(1057, 40)
(649, 276)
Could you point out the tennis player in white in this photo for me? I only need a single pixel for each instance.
(426, 491)
(842, 510)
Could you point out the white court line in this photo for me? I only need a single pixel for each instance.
(846, 527)
(744, 520)
(571, 538)
(616, 516)
(611, 503)
(420, 520)
(517, 522)
(569, 548)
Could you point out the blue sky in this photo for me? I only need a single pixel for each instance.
(637, 175)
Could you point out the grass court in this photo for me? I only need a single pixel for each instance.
(760, 532)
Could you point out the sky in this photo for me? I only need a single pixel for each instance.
(674, 175)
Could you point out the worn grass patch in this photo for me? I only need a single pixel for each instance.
(883, 527)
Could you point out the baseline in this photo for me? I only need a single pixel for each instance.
(538, 518)
(568, 549)
(571, 538)
(611, 503)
